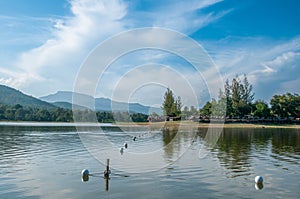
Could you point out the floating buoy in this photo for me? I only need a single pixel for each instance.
(85, 178)
(125, 145)
(85, 172)
(259, 180)
(121, 150)
(85, 175)
(259, 186)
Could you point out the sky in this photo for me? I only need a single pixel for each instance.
(44, 44)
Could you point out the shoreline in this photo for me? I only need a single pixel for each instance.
(153, 125)
(187, 124)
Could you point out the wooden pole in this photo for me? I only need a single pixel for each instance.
(106, 184)
(107, 171)
(106, 175)
(107, 165)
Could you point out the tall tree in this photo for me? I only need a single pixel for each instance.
(168, 103)
(170, 106)
(236, 90)
(228, 98)
(247, 91)
(178, 104)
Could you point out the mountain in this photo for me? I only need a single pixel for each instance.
(11, 96)
(67, 105)
(64, 96)
(101, 104)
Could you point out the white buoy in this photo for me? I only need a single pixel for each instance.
(259, 179)
(85, 178)
(85, 172)
(125, 145)
(259, 186)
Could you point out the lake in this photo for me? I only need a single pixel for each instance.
(45, 161)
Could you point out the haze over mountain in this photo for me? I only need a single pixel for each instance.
(101, 104)
(11, 96)
(63, 99)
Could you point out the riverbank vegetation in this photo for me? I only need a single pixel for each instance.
(20, 113)
(236, 103)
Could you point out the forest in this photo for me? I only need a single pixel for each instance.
(20, 113)
(236, 101)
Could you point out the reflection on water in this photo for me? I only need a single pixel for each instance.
(167, 137)
(234, 151)
(45, 162)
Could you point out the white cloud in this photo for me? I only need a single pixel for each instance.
(58, 59)
(283, 59)
(268, 64)
(54, 64)
(182, 16)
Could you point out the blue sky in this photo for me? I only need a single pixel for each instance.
(44, 43)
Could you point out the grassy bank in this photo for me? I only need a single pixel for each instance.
(189, 124)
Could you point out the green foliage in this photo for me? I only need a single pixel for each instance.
(139, 117)
(20, 113)
(286, 105)
(187, 112)
(238, 96)
(241, 97)
(206, 110)
(170, 106)
(235, 101)
(262, 109)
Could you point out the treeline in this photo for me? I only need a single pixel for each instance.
(20, 113)
(237, 101)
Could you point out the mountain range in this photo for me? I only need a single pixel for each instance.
(63, 99)
(11, 96)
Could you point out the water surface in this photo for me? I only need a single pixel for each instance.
(45, 162)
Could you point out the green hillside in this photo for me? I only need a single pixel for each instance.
(10, 96)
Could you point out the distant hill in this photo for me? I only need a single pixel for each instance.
(11, 96)
(64, 96)
(101, 104)
(67, 105)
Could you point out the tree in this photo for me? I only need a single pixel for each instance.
(185, 113)
(236, 95)
(247, 93)
(235, 100)
(241, 96)
(193, 110)
(178, 105)
(286, 105)
(262, 109)
(228, 98)
(170, 106)
(168, 103)
(206, 110)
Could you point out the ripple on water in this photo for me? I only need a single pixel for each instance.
(37, 163)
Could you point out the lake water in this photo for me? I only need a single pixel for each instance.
(46, 162)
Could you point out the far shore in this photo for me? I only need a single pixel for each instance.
(187, 124)
(154, 125)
